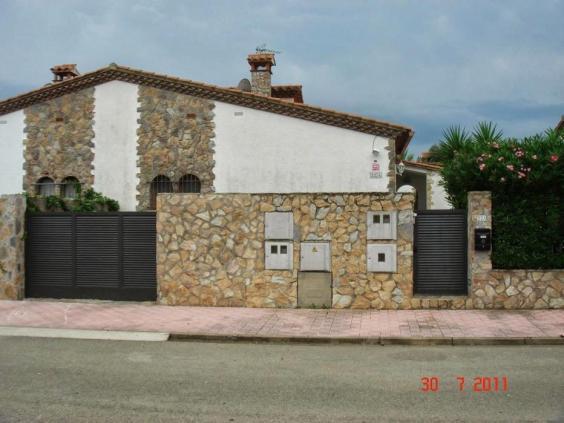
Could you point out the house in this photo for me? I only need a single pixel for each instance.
(131, 134)
(560, 126)
(425, 177)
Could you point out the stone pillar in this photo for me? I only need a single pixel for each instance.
(12, 252)
(479, 262)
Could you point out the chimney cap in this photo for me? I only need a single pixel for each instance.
(261, 61)
(64, 72)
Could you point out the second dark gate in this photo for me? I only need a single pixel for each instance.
(440, 249)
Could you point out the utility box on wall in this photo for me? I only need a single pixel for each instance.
(381, 258)
(279, 255)
(315, 256)
(279, 225)
(381, 225)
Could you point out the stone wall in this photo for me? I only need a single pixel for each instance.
(175, 138)
(12, 252)
(506, 289)
(211, 249)
(58, 142)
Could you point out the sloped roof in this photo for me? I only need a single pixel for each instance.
(402, 134)
(288, 91)
(421, 165)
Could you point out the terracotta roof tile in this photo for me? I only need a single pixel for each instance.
(402, 134)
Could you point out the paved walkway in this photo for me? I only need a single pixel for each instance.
(283, 323)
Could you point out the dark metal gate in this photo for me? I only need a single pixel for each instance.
(440, 261)
(109, 256)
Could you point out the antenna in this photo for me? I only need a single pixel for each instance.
(262, 49)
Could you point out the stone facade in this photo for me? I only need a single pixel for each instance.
(391, 174)
(506, 289)
(175, 138)
(59, 139)
(211, 249)
(12, 252)
(429, 190)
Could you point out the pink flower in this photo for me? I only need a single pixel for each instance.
(534, 157)
(482, 166)
(495, 145)
(500, 159)
(519, 153)
(510, 167)
(554, 158)
(521, 175)
(502, 179)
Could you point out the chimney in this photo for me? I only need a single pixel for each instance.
(261, 72)
(64, 72)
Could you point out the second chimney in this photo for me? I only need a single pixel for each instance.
(64, 72)
(261, 72)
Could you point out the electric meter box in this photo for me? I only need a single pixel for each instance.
(279, 255)
(381, 258)
(381, 224)
(315, 256)
(279, 225)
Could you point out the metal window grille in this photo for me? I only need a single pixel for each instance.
(69, 187)
(45, 187)
(159, 184)
(189, 183)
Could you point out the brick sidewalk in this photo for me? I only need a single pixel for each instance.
(273, 323)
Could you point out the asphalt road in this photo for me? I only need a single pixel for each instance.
(86, 380)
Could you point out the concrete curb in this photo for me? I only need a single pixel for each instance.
(102, 335)
(417, 341)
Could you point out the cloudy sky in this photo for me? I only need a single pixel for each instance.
(426, 64)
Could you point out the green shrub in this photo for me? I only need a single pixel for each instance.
(85, 201)
(526, 178)
(528, 231)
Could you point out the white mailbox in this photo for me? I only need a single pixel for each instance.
(381, 224)
(315, 256)
(381, 258)
(279, 255)
(279, 225)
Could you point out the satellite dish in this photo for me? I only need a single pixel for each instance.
(244, 85)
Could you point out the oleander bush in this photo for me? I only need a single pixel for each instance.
(526, 178)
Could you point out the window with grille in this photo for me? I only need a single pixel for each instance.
(45, 186)
(159, 184)
(70, 187)
(189, 183)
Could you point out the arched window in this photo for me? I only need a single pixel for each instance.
(69, 187)
(189, 183)
(159, 184)
(45, 186)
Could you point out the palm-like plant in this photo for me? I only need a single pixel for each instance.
(454, 140)
(486, 132)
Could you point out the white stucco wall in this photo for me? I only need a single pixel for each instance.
(438, 194)
(264, 152)
(11, 152)
(115, 142)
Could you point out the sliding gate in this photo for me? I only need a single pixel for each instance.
(440, 253)
(109, 256)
